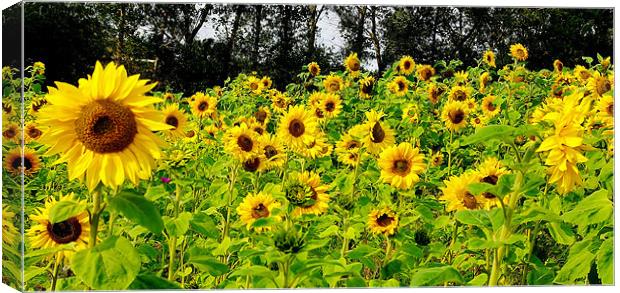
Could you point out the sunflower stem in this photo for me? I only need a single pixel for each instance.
(172, 247)
(231, 187)
(450, 154)
(55, 272)
(94, 218)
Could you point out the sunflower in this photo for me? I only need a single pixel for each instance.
(581, 73)
(32, 132)
(379, 135)
(314, 68)
(518, 52)
(316, 147)
(13, 162)
(262, 115)
(266, 81)
(297, 127)
(175, 117)
(255, 163)
(10, 132)
(35, 105)
(459, 93)
(489, 58)
(457, 196)
(256, 206)
(75, 229)
(348, 143)
(254, 84)
(490, 106)
(399, 86)
(400, 165)
(454, 115)
(7, 108)
(211, 132)
(433, 93)
(333, 83)
(331, 105)
(605, 107)
(478, 121)
(484, 79)
(558, 65)
(437, 159)
(273, 150)
(599, 84)
(461, 77)
(242, 142)
(105, 133)
(350, 158)
(366, 86)
(258, 128)
(383, 221)
(489, 171)
(307, 194)
(406, 65)
(352, 63)
(425, 72)
(203, 105)
(410, 113)
(279, 102)
(10, 234)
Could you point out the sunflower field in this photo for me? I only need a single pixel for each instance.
(422, 175)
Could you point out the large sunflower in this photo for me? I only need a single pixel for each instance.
(379, 135)
(279, 102)
(383, 221)
(15, 163)
(333, 83)
(366, 86)
(489, 58)
(331, 105)
(454, 115)
(352, 63)
(456, 194)
(273, 150)
(104, 128)
(307, 194)
(406, 65)
(400, 165)
(257, 206)
(459, 93)
(175, 117)
(255, 85)
(490, 107)
(297, 127)
(203, 105)
(44, 234)
(399, 86)
(518, 52)
(242, 142)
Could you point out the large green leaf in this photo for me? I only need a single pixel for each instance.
(488, 133)
(593, 209)
(478, 218)
(177, 227)
(139, 210)
(436, 276)
(65, 209)
(605, 261)
(111, 265)
(150, 281)
(208, 264)
(576, 267)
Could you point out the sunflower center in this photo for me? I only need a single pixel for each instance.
(491, 179)
(261, 116)
(385, 220)
(610, 109)
(172, 121)
(66, 231)
(259, 130)
(296, 128)
(34, 132)
(426, 73)
(401, 86)
(491, 107)
(401, 167)
(252, 165)
(245, 143)
(9, 133)
(203, 106)
(106, 127)
(378, 134)
(330, 106)
(469, 201)
(355, 65)
(260, 211)
(334, 86)
(270, 152)
(301, 195)
(190, 134)
(319, 113)
(314, 70)
(602, 85)
(460, 95)
(352, 144)
(456, 116)
(367, 88)
(253, 86)
(407, 65)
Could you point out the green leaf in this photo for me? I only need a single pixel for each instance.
(593, 209)
(64, 210)
(111, 265)
(154, 193)
(561, 233)
(177, 227)
(605, 261)
(480, 188)
(488, 133)
(139, 210)
(208, 264)
(536, 213)
(149, 281)
(540, 276)
(504, 185)
(576, 267)
(479, 280)
(362, 250)
(478, 218)
(436, 276)
(331, 230)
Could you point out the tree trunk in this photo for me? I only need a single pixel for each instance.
(375, 38)
(312, 21)
(231, 41)
(358, 46)
(120, 45)
(257, 31)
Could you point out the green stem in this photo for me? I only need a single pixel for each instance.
(172, 244)
(94, 219)
(450, 155)
(55, 272)
(231, 187)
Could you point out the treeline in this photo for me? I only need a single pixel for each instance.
(162, 41)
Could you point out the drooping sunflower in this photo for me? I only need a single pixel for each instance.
(32, 132)
(254, 84)
(400, 165)
(279, 102)
(599, 84)
(399, 86)
(582, 73)
(489, 58)
(7, 108)
(379, 135)
(203, 105)
(242, 142)
(10, 132)
(490, 106)
(454, 115)
(273, 150)
(558, 65)
(484, 79)
(489, 171)
(518, 52)
(307, 194)
(333, 83)
(262, 115)
(257, 206)
(457, 196)
(104, 128)
(459, 93)
(406, 65)
(297, 127)
(352, 63)
(433, 93)
(44, 234)
(175, 117)
(383, 221)
(366, 86)
(331, 105)
(13, 162)
(266, 81)
(314, 68)
(425, 72)
(9, 231)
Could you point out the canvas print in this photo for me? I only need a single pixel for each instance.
(232, 146)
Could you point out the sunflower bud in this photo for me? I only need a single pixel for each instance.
(288, 240)
(300, 195)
